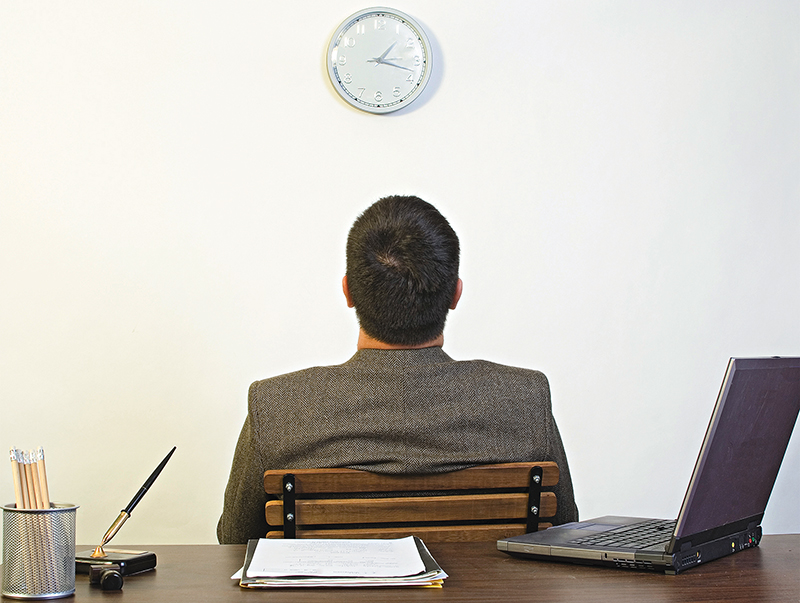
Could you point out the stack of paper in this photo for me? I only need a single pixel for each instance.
(332, 562)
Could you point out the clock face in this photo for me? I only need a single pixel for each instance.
(379, 60)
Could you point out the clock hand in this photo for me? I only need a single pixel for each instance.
(379, 60)
(388, 50)
(398, 66)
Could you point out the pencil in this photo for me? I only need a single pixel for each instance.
(23, 479)
(37, 489)
(17, 483)
(43, 479)
(29, 480)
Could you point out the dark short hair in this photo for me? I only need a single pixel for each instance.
(402, 270)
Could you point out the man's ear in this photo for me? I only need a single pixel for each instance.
(457, 295)
(346, 291)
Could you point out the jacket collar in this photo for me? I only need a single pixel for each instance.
(399, 358)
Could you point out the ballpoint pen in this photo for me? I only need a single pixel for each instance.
(126, 512)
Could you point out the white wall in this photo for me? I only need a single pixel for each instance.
(177, 180)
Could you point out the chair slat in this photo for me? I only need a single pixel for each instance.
(336, 480)
(469, 507)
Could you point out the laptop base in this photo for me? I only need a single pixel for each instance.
(650, 559)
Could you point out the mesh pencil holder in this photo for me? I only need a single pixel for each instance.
(39, 552)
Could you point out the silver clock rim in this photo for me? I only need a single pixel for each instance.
(334, 43)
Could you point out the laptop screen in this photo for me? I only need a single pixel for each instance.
(744, 445)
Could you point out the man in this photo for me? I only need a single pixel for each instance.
(400, 405)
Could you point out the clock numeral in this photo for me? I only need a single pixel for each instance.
(410, 78)
(342, 60)
(380, 24)
(348, 79)
(361, 28)
(361, 92)
(396, 91)
(410, 43)
(417, 61)
(378, 96)
(349, 42)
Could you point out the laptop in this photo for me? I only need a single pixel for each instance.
(738, 462)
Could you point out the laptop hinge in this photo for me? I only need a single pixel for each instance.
(534, 499)
(693, 540)
(289, 514)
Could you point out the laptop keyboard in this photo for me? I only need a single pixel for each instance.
(637, 535)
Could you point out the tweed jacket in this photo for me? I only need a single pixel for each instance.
(391, 411)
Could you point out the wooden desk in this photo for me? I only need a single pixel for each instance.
(480, 573)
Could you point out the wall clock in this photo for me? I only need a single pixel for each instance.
(379, 60)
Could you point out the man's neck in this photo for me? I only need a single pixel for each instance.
(367, 342)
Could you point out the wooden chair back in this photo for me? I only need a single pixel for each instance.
(485, 502)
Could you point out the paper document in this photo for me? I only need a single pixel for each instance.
(334, 562)
(341, 558)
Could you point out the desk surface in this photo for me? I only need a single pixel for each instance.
(478, 572)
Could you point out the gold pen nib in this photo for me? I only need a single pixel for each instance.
(98, 552)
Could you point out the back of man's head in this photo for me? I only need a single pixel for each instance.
(402, 270)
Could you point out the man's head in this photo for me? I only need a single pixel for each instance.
(402, 270)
